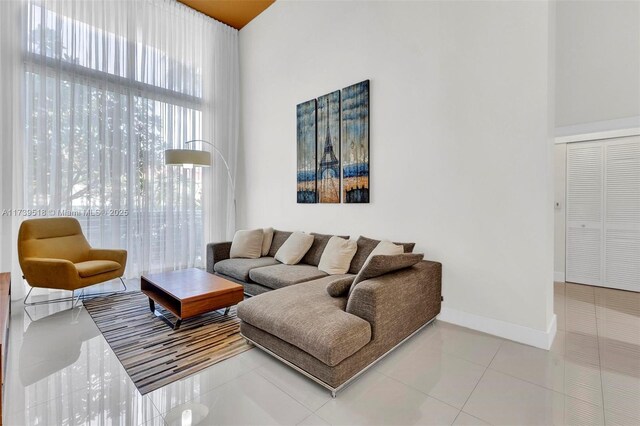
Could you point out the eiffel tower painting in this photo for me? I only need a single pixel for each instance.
(328, 139)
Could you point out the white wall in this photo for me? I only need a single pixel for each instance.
(598, 62)
(560, 172)
(461, 158)
(597, 80)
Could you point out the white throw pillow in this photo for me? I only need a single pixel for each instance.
(294, 249)
(385, 247)
(266, 241)
(337, 255)
(247, 244)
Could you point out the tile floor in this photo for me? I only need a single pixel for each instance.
(61, 371)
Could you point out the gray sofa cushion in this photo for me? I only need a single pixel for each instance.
(305, 316)
(312, 257)
(365, 247)
(239, 268)
(278, 276)
(279, 237)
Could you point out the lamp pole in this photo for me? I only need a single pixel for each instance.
(226, 165)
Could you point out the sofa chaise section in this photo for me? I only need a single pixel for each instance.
(320, 326)
(394, 305)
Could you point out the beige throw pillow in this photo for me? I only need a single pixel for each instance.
(266, 241)
(337, 255)
(294, 249)
(386, 248)
(247, 244)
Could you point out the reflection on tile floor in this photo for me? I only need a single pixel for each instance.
(61, 371)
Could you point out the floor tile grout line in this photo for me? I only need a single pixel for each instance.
(541, 386)
(595, 314)
(319, 415)
(544, 387)
(478, 382)
(604, 408)
(202, 394)
(471, 393)
(419, 391)
(456, 418)
(338, 393)
(212, 389)
(312, 414)
(289, 394)
(455, 355)
(154, 405)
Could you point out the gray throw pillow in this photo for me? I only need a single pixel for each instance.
(340, 287)
(365, 247)
(381, 264)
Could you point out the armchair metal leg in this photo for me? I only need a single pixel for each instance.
(73, 298)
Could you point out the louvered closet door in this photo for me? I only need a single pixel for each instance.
(622, 214)
(584, 213)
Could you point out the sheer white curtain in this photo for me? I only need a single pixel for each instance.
(223, 129)
(108, 86)
(11, 126)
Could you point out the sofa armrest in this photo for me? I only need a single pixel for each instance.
(217, 252)
(115, 255)
(49, 273)
(398, 303)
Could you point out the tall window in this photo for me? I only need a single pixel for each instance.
(107, 90)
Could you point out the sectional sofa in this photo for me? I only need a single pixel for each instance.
(329, 339)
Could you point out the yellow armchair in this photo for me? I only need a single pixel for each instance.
(54, 254)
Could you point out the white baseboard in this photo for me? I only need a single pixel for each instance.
(558, 276)
(507, 330)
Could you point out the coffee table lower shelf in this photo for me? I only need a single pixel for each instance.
(189, 293)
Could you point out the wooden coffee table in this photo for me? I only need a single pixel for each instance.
(189, 292)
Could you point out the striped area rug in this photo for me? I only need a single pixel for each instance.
(151, 352)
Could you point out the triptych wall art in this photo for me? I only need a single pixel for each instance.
(333, 147)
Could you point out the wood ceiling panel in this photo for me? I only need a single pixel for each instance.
(235, 13)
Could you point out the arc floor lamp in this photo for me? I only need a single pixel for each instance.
(198, 158)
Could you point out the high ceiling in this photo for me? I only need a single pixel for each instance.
(235, 13)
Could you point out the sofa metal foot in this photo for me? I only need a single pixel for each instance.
(333, 394)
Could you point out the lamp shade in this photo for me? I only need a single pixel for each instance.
(187, 157)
